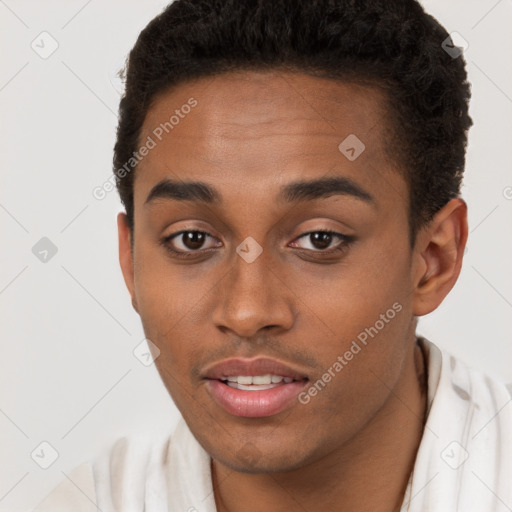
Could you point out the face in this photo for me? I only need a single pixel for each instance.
(256, 272)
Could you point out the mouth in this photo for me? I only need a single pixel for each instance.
(257, 382)
(254, 388)
(255, 400)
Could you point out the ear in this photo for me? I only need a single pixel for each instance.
(125, 255)
(438, 256)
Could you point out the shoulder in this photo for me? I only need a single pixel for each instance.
(119, 478)
(467, 439)
(465, 380)
(132, 472)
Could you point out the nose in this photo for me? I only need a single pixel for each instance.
(253, 297)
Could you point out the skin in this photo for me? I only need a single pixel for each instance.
(352, 447)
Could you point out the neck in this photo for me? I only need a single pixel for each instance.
(370, 472)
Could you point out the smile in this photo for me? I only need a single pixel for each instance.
(255, 400)
(256, 382)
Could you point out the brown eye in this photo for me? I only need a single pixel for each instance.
(322, 240)
(186, 241)
(193, 239)
(189, 243)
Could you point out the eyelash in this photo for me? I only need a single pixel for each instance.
(346, 241)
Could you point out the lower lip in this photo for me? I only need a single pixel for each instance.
(255, 404)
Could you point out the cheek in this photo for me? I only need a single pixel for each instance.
(360, 365)
(365, 317)
(358, 292)
(166, 308)
(161, 290)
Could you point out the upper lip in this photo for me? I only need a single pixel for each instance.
(251, 367)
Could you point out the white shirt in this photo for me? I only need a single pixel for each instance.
(464, 461)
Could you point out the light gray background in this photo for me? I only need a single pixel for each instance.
(68, 373)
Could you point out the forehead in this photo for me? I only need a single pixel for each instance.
(249, 130)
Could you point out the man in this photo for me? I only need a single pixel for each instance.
(291, 175)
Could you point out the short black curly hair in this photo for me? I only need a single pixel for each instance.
(392, 44)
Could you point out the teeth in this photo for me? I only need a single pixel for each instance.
(259, 380)
(251, 387)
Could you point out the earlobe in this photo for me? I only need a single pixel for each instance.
(125, 256)
(439, 256)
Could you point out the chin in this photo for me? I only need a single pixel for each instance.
(250, 460)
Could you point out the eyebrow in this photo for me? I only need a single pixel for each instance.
(199, 191)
